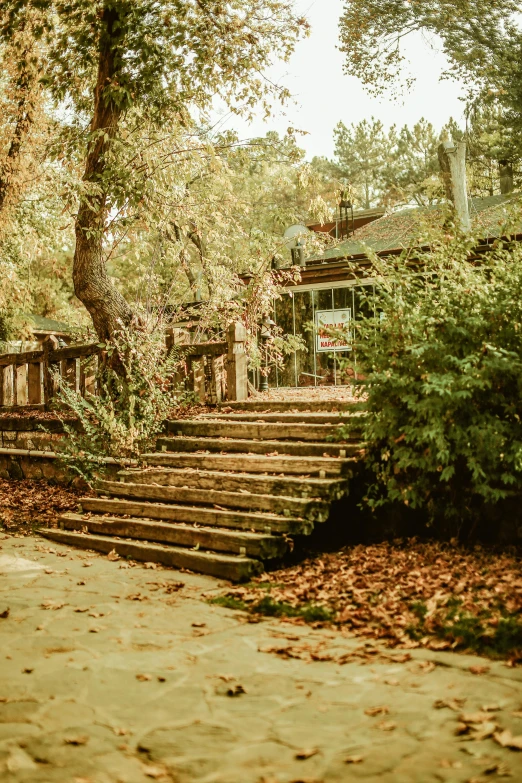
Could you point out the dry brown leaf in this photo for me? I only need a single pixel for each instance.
(307, 753)
(113, 555)
(386, 725)
(153, 771)
(5, 614)
(52, 605)
(507, 740)
(144, 677)
(452, 704)
(80, 739)
(372, 711)
(448, 764)
(474, 717)
(479, 669)
(354, 759)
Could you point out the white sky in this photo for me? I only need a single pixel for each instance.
(324, 95)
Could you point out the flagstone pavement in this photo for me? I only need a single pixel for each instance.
(113, 673)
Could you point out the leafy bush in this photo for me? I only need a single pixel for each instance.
(135, 395)
(441, 356)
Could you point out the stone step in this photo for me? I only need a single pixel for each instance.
(254, 463)
(244, 446)
(253, 430)
(210, 517)
(260, 545)
(289, 406)
(235, 568)
(134, 486)
(288, 486)
(306, 417)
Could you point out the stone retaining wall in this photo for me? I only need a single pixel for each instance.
(40, 435)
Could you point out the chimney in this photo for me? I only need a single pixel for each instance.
(452, 157)
(505, 170)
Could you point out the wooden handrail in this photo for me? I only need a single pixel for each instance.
(213, 370)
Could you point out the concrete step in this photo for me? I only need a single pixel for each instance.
(235, 568)
(254, 463)
(287, 486)
(305, 417)
(259, 545)
(288, 406)
(199, 515)
(251, 430)
(244, 446)
(134, 485)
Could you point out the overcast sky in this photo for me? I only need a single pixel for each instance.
(323, 94)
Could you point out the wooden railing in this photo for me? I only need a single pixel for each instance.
(215, 371)
(28, 378)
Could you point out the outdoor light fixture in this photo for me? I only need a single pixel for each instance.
(294, 241)
(265, 334)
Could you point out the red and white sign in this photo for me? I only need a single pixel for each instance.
(327, 321)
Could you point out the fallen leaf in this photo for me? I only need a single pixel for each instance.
(302, 755)
(448, 764)
(113, 555)
(386, 725)
(479, 669)
(372, 711)
(507, 740)
(452, 704)
(144, 677)
(82, 609)
(353, 759)
(27, 671)
(52, 605)
(81, 739)
(474, 717)
(120, 732)
(5, 614)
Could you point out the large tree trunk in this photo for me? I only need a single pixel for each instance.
(26, 88)
(92, 285)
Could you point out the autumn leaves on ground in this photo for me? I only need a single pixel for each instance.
(406, 594)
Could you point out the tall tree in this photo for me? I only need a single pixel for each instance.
(21, 61)
(362, 154)
(481, 39)
(144, 64)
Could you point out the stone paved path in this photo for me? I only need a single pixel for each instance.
(115, 674)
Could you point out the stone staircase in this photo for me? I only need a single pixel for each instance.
(224, 492)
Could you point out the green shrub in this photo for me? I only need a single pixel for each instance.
(441, 360)
(135, 395)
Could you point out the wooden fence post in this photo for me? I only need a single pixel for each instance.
(34, 383)
(4, 396)
(237, 374)
(49, 384)
(88, 368)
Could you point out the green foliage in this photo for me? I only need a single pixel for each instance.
(135, 396)
(441, 359)
(478, 633)
(480, 38)
(269, 607)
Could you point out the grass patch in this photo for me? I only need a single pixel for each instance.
(466, 631)
(311, 613)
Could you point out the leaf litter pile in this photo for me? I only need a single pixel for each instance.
(405, 594)
(26, 503)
